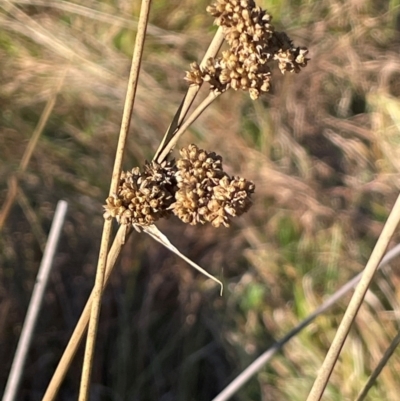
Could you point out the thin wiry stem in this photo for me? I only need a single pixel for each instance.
(105, 240)
(13, 182)
(260, 362)
(35, 304)
(90, 12)
(32, 219)
(77, 335)
(382, 363)
(330, 360)
(191, 119)
(81, 326)
(191, 94)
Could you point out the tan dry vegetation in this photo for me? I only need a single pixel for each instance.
(322, 148)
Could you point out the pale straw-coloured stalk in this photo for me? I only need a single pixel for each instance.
(17, 367)
(330, 360)
(118, 243)
(105, 240)
(382, 363)
(187, 123)
(81, 326)
(191, 94)
(265, 357)
(13, 182)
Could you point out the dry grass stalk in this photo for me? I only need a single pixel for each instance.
(35, 304)
(118, 243)
(13, 182)
(253, 43)
(382, 363)
(253, 83)
(101, 267)
(32, 218)
(186, 124)
(81, 326)
(188, 99)
(263, 359)
(355, 303)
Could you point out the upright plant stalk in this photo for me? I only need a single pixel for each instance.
(266, 356)
(119, 240)
(35, 304)
(191, 119)
(382, 363)
(327, 367)
(191, 94)
(105, 240)
(81, 326)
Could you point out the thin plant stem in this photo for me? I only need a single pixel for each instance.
(330, 360)
(76, 337)
(17, 367)
(382, 363)
(81, 326)
(191, 119)
(13, 183)
(260, 362)
(191, 94)
(105, 240)
(32, 218)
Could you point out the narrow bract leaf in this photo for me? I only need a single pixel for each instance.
(155, 233)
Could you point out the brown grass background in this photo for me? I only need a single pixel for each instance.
(323, 148)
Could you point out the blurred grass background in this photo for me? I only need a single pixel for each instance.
(323, 148)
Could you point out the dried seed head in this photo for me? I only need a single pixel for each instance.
(253, 43)
(143, 197)
(205, 192)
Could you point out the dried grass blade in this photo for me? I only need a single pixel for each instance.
(155, 233)
(172, 128)
(13, 183)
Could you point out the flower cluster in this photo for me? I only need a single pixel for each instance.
(195, 189)
(143, 197)
(252, 44)
(205, 192)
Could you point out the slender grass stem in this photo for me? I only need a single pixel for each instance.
(81, 326)
(191, 119)
(260, 362)
(341, 334)
(382, 363)
(191, 94)
(35, 304)
(32, 218)
(13, 182)
(101, 266)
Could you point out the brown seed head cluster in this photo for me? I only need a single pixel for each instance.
(195, 189)
(143, 197)
(205, 192)
(253, 43)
